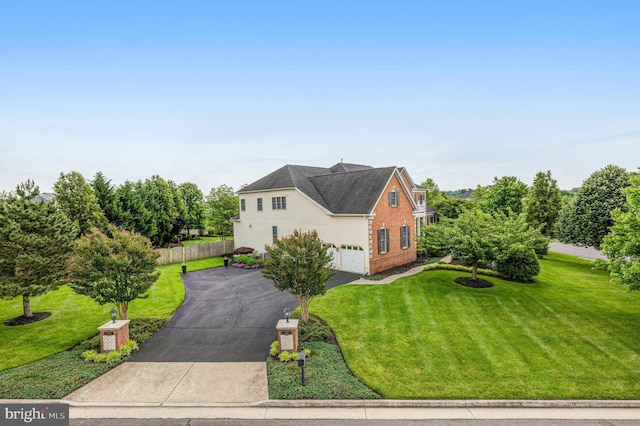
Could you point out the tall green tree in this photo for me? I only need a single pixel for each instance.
(193, 200)
(505, 196)
(587, 219)
(544, 203)
(131, 212)
(76, 198)
(116, 268)
(622, 244)
(451, 207)
(36, 239)
(433, 191)
(299, 264)
(159, 199)
(106, 195)
(222, 204)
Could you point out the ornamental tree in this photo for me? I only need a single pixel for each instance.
(115, 268)
(299, 264)
(473, 238)
(622, 244)
(36, 239)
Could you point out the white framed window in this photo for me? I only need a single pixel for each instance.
(383, 240)
(405, 239)
(278, 203)
(243, 205)
(259, 204)
(274, 231)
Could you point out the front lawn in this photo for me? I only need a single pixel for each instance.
(75, 318)
(570, 335)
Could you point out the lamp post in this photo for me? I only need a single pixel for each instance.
(301, 360)
(113, 313)
(286, 313)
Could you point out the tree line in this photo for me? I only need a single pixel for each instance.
(98, 237)
(602, 213)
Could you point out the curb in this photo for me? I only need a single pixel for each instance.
(361, 403)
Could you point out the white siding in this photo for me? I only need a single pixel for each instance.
(255, 227)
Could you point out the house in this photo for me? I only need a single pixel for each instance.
(367, 216)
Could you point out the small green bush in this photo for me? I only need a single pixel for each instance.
(286, 356)
(274, 349)
(518, 263)
(248, 260)
(111, 357)
(314, 331)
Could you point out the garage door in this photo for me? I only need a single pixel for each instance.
(333, 252)
(352, 259)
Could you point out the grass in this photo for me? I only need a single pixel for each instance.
(75, 318)
(58, 375)
(326, 377)
(570, 335)
(204, 240)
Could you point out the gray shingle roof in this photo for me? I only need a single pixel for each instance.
(342, 189)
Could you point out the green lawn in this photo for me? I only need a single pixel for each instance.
(75, 318)
(572, 334)
(204, 240)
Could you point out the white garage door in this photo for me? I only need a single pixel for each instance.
(352, 259)
(332, 251)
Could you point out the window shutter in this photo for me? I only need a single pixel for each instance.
(391, 198)
(380, 240)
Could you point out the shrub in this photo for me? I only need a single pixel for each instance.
(111, 357)
(286, 356)
(243, 250)
(248, 260)
(449, 267)
(273, 349)
(518, 263)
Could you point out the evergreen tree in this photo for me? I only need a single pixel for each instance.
(544, 203)
(160, 200)
(76, 198)
(106, 196)
(36, 239)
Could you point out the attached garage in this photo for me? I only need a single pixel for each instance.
(352, 259)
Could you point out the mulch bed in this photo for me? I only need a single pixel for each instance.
(477, 283)
(22, 320)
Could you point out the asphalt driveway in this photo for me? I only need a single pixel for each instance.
(228, 315)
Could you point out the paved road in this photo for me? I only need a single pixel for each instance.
(228, 315)
(584, 252)
(341, 422)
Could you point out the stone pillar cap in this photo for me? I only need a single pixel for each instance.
(114, 326)
(284, 325)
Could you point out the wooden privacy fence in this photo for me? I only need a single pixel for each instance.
(194, 252)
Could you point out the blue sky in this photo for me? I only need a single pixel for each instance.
(224, 92)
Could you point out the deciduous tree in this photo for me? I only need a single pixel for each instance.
(473, 239)
(222, 205)
(116, 268)
(300, 264)
(505, 196)
(622, 244)
(36, 239)
(587, 218)
(194, 206)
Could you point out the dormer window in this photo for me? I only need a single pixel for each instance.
(394, 200)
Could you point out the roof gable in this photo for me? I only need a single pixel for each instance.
(341, 189)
